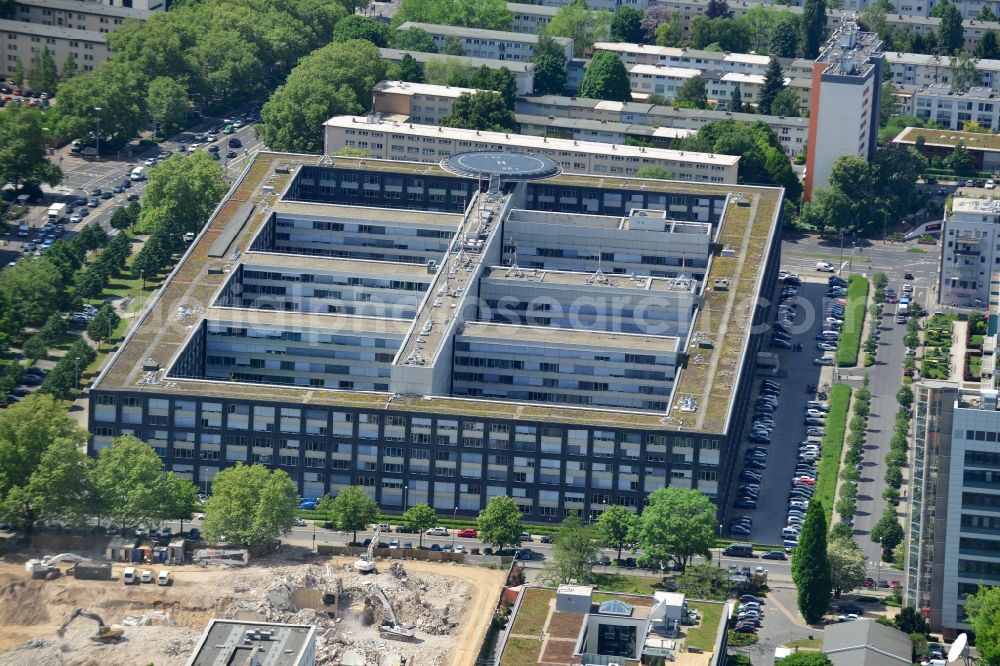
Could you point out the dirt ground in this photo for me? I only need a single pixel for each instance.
(450, 604)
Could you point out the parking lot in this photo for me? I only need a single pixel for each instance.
(798, 372)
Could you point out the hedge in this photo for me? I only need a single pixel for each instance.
(854, 321)
(833, 445)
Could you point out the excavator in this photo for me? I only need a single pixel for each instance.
(46, 567)
(105, 632)
(366, 563)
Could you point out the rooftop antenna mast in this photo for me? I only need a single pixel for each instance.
(514, 270)
(599, 277)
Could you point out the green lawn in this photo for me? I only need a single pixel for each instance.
(624, 583)
(805, 644)
(854, 321)
(520, 651)
(833, 444)
(703, 636)
(533, 611)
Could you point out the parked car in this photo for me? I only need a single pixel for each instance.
(774, 555)
(438, 531)
(854, 609)
(467, 533)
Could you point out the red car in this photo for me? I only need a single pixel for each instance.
(467, 533)
(870, 582)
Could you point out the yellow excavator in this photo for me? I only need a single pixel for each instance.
(105, 632)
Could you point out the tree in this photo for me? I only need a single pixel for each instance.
(720, 34)
(718, 9)
(35, 348)
(332, 81)
(652, 18)
(982, 610)
(963, 72)
(656, 172)
(130, 485)
(811, 566)
(704, 581)
(500, 523)
(69, 67)
(671, 31)
(576, 21)
(904, 396)
(574, 553)
(124, 218)
(606, 78)
(693, 93)
(22, 149)
(412, 39)
(847, 565)
(950, 34)
(35, 288)
(114, 88)
(17, 76)
(786, 103)
(486, 14)
(481, 110)
(807, 659)
(447, 72)
(35, 433)
(357, 26)
(841, 531)
(180, 195)
(453, 46)
(617, 528)
(250, 505)
(910, 621)
(550, 67)
(736, 100)
(103, 325)
(420, 518)
(44, 75)
(785, 38)
(774, 83)
(500, 80)
(988, 45)
(813, 27)
(407, 69)
(626, 25)
(960, 160)
(353, 509)
(676, 525)
(887, 531)
(168, 103)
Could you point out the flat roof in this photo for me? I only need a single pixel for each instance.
(537, 10)
(665, 70)
(55, 31)
(604, 125)
(552, 335)
(949, 138)
(334, 265)
(531, 142)
(970, 205)
(478, 33)
(407, 88)
(676, 52)
(272, 643)
(325, 322)
(515, 66)
(95, 8)
(613, 281)
(361, 213)
(710, 375)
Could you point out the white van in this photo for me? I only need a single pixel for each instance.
(129, 577)
(139, 173)
(163, 578)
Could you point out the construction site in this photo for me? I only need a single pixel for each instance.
(401, 614)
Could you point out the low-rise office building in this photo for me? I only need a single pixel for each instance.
(983, 147)
(429, 332)
(389, 140)
(271, 643)
(415, 102)
(524, 72)
(495, 44)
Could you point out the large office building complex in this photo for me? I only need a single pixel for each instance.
(954, 531)
(446, 333)
(843, 109)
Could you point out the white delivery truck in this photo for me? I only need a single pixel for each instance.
(57, 211)
(139, 173)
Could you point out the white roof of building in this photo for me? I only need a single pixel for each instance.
(530, 142)
(576, 590)
(478, 33)
(674, 52)
(669, 72)
(979, 206)
(670, 598)
(932, 60)
(55, 31)
(96, 8)
(748, 78)
(407, 88)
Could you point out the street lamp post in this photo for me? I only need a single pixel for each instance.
(406, 491)
(454, 529)
(97, 136)
(314, 536)
(76, 366)
(719, 560)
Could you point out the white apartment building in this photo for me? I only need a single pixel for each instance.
(843, 108)
(669, 56)
(76, 15)
(524, 72)
(925, 70)
(383, 139)
(720, 85)
(530, 19)
(549, 115)
(606, 5)
(415, 102)
(495, 44)
(970, 252)
(940, 104)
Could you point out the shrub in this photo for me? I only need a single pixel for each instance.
(854, 319)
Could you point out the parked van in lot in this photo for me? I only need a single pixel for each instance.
(738, 550)
(129, 577)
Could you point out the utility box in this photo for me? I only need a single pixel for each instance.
(573, 598)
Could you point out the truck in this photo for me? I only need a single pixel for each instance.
(902, 310)
(57, 211)
(139, 173)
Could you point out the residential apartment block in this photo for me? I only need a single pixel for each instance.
(720, 86)
(843, 107)
(606, 5)
(601, 120)
(415, 102)
(970, 252)
(938, 103)
(954, 531)
(64, 27)
(494, 44)
(916, 69)
(669, 56)
(446, 333)
(524, 72)
(388, 140)
(530, 19)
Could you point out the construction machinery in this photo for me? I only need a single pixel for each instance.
(46, 567)
(366, 563)
(105, 632)
(391, 627)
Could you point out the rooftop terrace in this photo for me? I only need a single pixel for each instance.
(578, 338)
(747, 226)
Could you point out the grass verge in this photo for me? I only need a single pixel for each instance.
(833, 445)
(623, 583)
(854, 321)
(533, 611)
(805, 644)
(703, 636)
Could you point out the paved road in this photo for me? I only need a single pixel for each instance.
(801, 254)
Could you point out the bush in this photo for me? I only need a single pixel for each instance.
(833, 445)
(854, 319)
